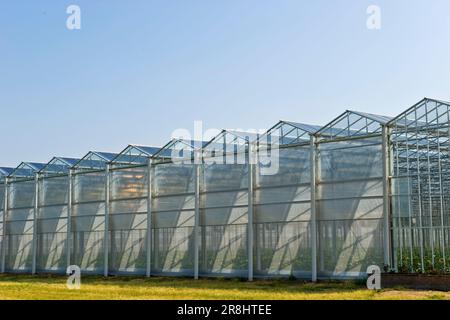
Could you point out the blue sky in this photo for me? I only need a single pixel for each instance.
(137, 70)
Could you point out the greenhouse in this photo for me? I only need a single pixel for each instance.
(298, 201)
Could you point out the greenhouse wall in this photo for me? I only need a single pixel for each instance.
(283, 216)
(350, 206)
(363, 190)
(53, 198)
(88, 211)
(173, 211)
(224, 212)
(128, 220)
(19, 226)
(2, 217)
(280, 204)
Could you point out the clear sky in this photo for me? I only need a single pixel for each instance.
(137, 70)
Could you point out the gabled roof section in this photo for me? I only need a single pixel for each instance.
(288, 132)
(375, 117)
(27, 170)
(352, 124)
(426, 113)
(4, 172)
(249, 136)
(134, 154)
(230, 141)
(59, 165)
(94, 160)
(178, 149)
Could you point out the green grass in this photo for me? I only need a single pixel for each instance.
(54, 287)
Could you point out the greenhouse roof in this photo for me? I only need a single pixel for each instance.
(229, 140)
(351, 124)
(288, 132)
(4, 171)
(95, 160)
(232, 137)
(59, 165)
(27, 169)
(426, 119)
(375, 117)
(426, 113)
(134, 154)
(179, 149)
(249, 136)
(304, 126)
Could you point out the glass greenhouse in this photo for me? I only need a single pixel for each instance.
(297, 200)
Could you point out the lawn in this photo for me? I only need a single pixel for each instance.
(54, 287)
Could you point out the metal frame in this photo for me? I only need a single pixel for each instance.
(251, 213)
(421, 148)
(350, 133)
(386, 198)
(149, 241)
(197, 218)
(26, 172)
(314, 231)
(107, 208)
(5, 213)
(35, 215)
(69, 219)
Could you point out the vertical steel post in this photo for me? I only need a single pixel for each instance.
(386, 198)
(399, 228)
(430, 200)
(149, 218)
(441, 196)
(313, 227)
(408, 174)
(419, 194)
(250, 245)
(320, 252)
(5, 213)
(69, 219)
(256, 228)
(35, 224)
(197, 164)
(106, 235)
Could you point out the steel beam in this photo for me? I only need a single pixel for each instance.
(106, 234)
(250, 244)
(35, 224)
(5, 213)
(197, 166)
(386, 198)
(441, 202)
(313, 227)
(419, 194)
(149, 219)
(69, 219)
(411, 233)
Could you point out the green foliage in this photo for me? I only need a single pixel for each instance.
(433, 261)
